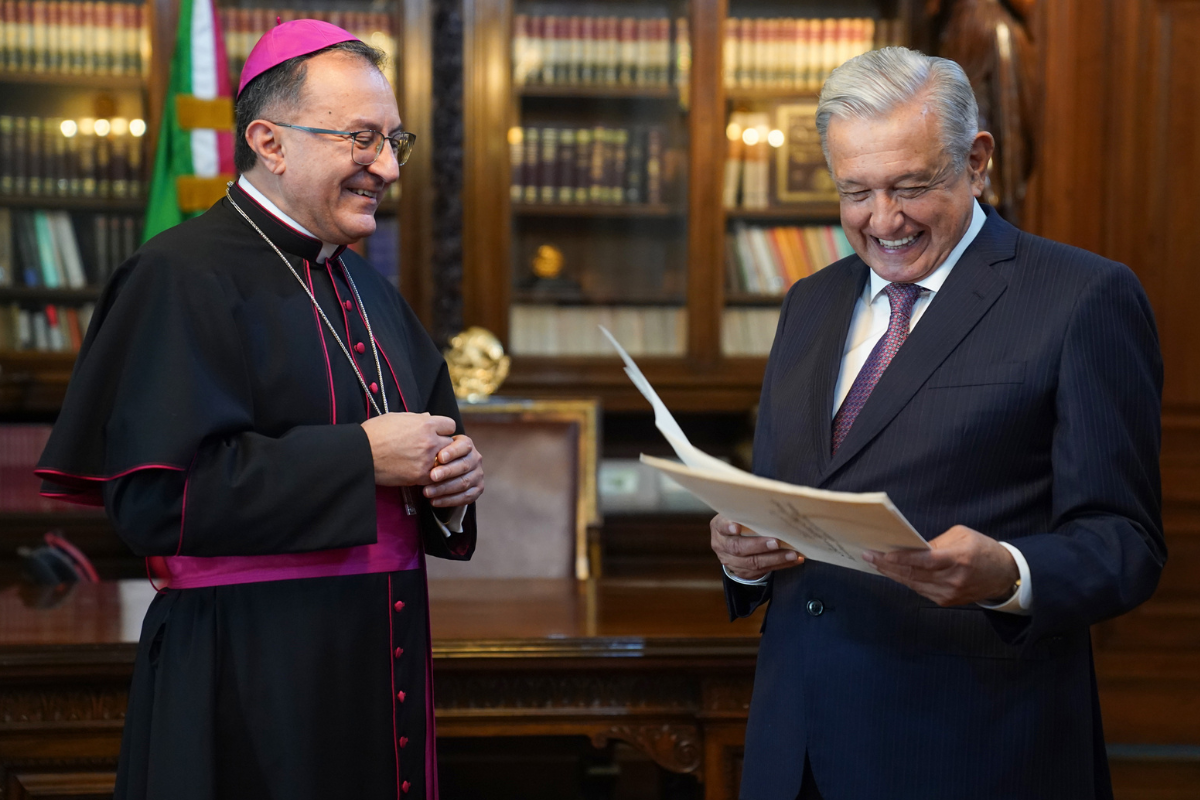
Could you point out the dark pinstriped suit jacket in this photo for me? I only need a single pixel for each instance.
(1025, 404)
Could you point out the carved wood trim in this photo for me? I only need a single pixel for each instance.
(677, 748)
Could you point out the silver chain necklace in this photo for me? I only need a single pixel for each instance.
(363, 309)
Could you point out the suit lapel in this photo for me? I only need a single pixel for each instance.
(972, 288)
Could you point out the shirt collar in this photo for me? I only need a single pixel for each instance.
(934, 280)
(325, 251)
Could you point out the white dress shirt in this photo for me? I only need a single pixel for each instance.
(454, 523)
(869, 323)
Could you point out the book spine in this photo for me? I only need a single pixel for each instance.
(549, 51)
(532, 154)
(589, 50)
(654, 166)
(635, 191)
(516, 163)
(620, 160)
(7, 156)
(520, 49)
(548, 166)
(103, 166)
(596, 185)
(575, 66)
(729, 52)
(566, 166)
(583, 164)
(7, 265)
(627, 51)
(133, 158)
(100, 251)
(33, 157)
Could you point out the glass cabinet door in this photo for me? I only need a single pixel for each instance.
(781, 209)
(598, 196)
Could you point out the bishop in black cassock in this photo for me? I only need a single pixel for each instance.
(213, 413)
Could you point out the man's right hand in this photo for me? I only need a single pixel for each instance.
(405, 446)
(746, 554)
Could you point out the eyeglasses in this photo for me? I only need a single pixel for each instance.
(367, 145)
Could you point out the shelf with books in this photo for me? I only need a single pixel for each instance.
(98, 204)
(67, 81)
(583, 91)
(620, 259)
(41, 294)
(632, 210)
(818, 211)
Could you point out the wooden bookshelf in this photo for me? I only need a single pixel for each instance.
(803, 213)
(101, 205)
(614, 211)
(500, 235)
(568, 90)
(767, 93)
(123, 82)
(42, 294)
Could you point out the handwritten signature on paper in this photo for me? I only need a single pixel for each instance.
(804, 528)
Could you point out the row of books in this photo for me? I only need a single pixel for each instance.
(243, 27)
(548, 330)
(589, 50)
(748, 166)
(795, 53)
(73, 38)
(49, 329)
(768, 260)
(38, 159)
(586, 165)
(748, 331)
(57, 250)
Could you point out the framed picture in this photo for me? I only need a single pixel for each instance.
(801, 174)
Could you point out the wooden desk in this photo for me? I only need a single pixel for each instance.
(655, 665)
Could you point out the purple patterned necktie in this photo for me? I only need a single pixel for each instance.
(902, 296)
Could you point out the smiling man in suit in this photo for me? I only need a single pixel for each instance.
(1005, 391)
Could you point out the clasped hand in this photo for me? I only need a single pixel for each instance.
(963, 566)
(423, 450)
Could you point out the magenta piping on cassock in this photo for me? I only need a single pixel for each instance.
(324, 348)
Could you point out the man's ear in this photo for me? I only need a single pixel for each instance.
(264, 140)
(978, 160)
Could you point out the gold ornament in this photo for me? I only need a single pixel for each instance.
(477, 364)
(548, 262)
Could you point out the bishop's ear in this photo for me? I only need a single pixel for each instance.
(264, 140)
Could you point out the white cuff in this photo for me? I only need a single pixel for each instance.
(1021, 601)
(454, 524)
(760, 582)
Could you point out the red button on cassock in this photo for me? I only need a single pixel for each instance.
(374, 387)
(360, 348)
(400, 696)
(348, 305)
(399, 605)
(404, 787)
(399, 652)
(403, 742)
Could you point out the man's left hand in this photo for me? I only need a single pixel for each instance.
(458, 477)
(963, 567)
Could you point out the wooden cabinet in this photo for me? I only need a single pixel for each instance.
(668, 255)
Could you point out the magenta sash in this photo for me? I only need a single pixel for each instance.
(398, 548)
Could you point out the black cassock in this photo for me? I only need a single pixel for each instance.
(213, 414)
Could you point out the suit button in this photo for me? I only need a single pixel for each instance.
(816, 608)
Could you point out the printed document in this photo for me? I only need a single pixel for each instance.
(833, 527)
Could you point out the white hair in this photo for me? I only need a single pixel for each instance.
(874, 84)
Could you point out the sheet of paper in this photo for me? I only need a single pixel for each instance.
(663, 420)
(833, 527)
